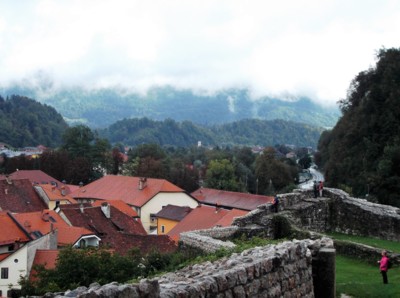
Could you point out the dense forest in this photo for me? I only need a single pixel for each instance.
(25, 122)
(84, 157)
(99, 108)
(246, 132)
(361, 154)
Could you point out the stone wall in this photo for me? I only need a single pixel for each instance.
(336, 211)
(282, 270)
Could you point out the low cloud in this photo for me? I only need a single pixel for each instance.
(286, 48)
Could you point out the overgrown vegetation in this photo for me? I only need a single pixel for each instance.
(362, 152)
(81, 267)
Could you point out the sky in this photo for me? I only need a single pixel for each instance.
(286, 48)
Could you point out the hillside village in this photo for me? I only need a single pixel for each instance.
(42, 215)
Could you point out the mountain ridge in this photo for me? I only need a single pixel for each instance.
(99, 108)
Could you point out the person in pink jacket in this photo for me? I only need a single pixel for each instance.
(384, 266)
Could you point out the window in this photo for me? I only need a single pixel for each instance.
(163, 229)
(4, 273)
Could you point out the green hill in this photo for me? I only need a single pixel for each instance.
(244, 132)
(25, 122)
(99, 108)
(362, 152)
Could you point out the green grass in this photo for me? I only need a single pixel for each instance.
(359, 279)
(393, 246)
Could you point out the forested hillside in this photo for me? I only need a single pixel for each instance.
(25, 122)
(99, 108)
(362, 152)
(245, 132)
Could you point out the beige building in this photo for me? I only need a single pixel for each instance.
(146, 196)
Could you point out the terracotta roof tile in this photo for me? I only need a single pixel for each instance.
(55, 194)
(19, 196)
(39, 221)
(70, 235)
(145, 243)
(121, 232)
(205, 217)
(228, 218)
(35, 176)
(93, 219)
(124, 188)
(47, 258)
(120, 205)
(230, 199)
(10, 231)
(172, 212)
(42, 222)
(4, 256)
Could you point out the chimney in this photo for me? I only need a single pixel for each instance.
(217, 207)
(81, 208)
(8, 178)
(142, 183)
(105, 207)
(45, 216)
(63, 193)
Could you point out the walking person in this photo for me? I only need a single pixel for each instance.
(384, 266)
(275, 204)
(320, 188)
(315, 188)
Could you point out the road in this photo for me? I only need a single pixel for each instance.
(317, 176)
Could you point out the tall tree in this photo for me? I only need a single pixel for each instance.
(358, 153)
(221, 175)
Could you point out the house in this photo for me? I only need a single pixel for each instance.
(120, 205)
(53, 196)
(37, 224)
(118, 230)
(169, 216)
(18, 195)
(145, 195)
(12, 236)
(230, 199)
(17, 251)
(35, 176)
(205, 217)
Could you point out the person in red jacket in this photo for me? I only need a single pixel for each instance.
(384, 266)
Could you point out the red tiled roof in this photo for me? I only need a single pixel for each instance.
(125, 188)
(93, 219)
(34, 222)
(55, 194)
(228, 218)
(4, 256)
(70, 235)
(205, 217)
(120, 205)
(19, 196)
(145, 243)
(47, 258)
(172, 212)
(230, 199)
(120, 233)
(35, 176)
(10, 231)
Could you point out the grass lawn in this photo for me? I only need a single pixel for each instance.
(359, 279)
(393, 246)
